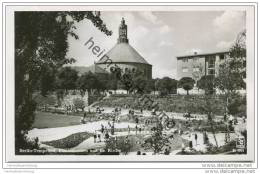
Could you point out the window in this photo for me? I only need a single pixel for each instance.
(196, 69)
(185, 60)
(211, 62)
(195, 59)
(185, 70)
(221, 56)
(211, 71)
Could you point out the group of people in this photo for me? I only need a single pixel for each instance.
(69, 109)
(99, 110)
(97, 137)
(104, 133)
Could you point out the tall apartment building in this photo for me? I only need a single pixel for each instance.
(199, 64)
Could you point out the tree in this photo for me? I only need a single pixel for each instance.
(79, 103)
(209, 108)
(158, 141)
(41, 40)
(232, 70)
(166, 85)
(48, 80)
(102, 82)
(150, 86)
(112, 82)
(45, 101)
(67, 78)
(127, 81)
(140, 84)
(186, 83)
(227, 80)
(238, 55)
(87, 82)
(207, 83)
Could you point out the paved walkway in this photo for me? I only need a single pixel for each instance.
(50, 134)
(147, 113)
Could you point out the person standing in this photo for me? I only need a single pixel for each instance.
(206, 138)
(95, 137)
(99, 138)
(190, 144)
(136, 129)
(166, 151)
(136, 120)
(182, 147)
(244, 119)
(112, 130)
(225, 117)
(196, 138)
(140, 130)
(106, 136)
(129, 129)
(102, 128)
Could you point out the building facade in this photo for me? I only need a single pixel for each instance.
(198, 65)
(125, 56)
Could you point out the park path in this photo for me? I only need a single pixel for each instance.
(202, 147)
(50, 134)
(147, 113)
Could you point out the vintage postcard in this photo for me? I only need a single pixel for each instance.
(132, 83)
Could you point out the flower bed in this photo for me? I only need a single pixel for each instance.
(69, 141)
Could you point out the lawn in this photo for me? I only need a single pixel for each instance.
(50, 120)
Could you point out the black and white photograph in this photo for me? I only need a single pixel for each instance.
(130, 83)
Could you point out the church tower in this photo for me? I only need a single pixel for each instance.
(124, 56)
(122, 32)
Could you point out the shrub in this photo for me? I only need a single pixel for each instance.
(79, 103)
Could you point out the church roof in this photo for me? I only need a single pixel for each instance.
(123, 52)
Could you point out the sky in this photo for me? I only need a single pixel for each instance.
(161, 36)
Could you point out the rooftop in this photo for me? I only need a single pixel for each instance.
(202, 54)
(123, 52)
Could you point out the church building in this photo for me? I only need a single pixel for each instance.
(125, 56)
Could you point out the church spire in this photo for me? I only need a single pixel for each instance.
(122, 32)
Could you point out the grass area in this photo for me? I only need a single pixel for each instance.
(69, 141)
(50, 120)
